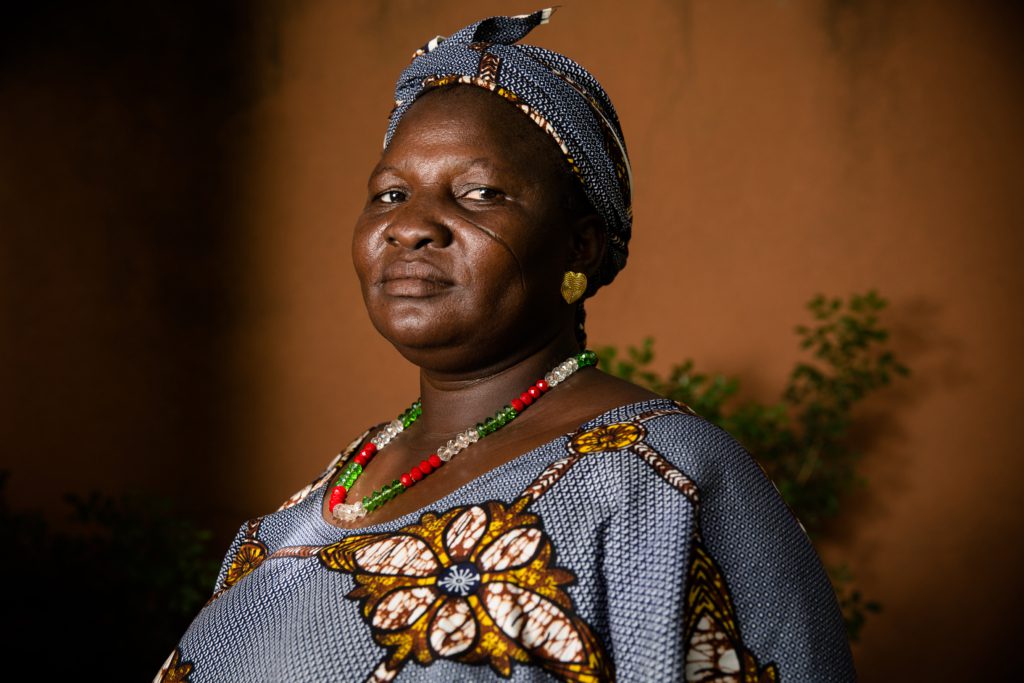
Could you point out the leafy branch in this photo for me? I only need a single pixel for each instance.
(802, 440)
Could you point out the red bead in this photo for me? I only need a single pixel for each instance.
(406, 480)
(425, 467)
(337, 496)
(534, 392)
(416, 474)
(361, 459)
(542, 385)
(526, 398)
(369, 449)
(518, 405)
(435, 461)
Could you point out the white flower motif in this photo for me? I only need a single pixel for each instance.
(459, 580)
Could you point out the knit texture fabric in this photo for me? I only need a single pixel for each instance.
(646, 546)
(558, 94)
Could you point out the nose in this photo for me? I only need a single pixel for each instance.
(419, 223)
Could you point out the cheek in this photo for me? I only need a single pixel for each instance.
(363, 256)
(527, 280)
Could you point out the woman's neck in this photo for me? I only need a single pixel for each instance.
(452, 403)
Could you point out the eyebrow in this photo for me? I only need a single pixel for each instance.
(478, 161)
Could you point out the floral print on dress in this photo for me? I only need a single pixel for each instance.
(174, 670)
(251, 553)
(715, 650)
(613, 437)
(248, 556)
(477, 585)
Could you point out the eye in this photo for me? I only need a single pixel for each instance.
(390, 196)
(484, 193)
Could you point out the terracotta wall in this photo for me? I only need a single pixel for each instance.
(177, 189)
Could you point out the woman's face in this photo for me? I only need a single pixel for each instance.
(463, 241)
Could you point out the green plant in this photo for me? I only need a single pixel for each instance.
(801, 440)
(122, 574)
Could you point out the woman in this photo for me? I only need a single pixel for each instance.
(529, 516)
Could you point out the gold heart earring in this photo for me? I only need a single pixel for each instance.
(573, 286)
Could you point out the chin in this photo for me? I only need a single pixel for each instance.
(415, 329)
(431, 346)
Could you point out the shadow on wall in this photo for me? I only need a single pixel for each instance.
(117, 182)
(878, 432)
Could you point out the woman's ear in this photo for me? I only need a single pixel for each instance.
(588, 244)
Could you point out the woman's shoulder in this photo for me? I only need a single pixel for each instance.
(696, 446)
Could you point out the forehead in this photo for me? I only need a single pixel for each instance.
(472, 115)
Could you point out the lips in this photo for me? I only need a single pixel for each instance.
(414, 279)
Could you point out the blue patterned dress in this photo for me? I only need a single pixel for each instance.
(646, 546)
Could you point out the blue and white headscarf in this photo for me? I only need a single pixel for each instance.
(556, 93)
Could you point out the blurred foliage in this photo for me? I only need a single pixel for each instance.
(802, 440)
(120, 578)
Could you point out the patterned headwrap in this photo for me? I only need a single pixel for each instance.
(556, 93)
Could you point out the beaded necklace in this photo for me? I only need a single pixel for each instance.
(355, 467)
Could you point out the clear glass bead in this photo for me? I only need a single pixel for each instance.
(348, 513)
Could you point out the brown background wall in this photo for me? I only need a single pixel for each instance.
(177, 189)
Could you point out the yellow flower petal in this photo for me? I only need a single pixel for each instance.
(512, 549)
(399, 554)
(402, 607)
(540, 625)
(465, 532)
(453, 628)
